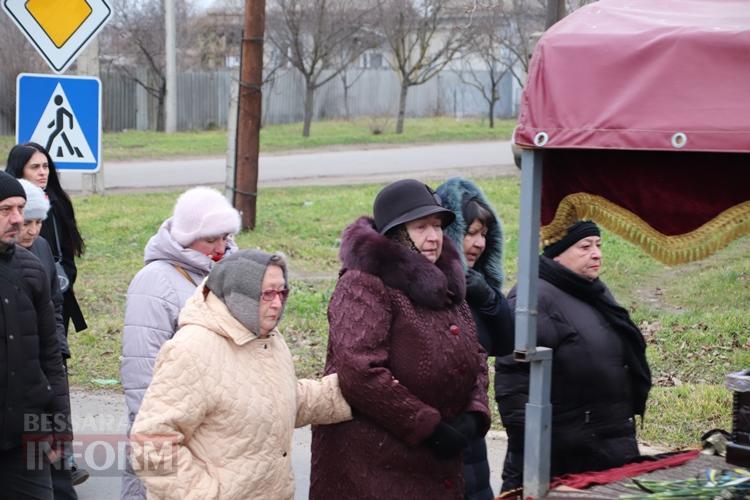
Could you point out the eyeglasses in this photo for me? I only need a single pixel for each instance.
(270, 294)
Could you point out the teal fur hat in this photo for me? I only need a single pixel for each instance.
(455, 193)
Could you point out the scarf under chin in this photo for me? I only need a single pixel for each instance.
(595, 293)
(400, 234)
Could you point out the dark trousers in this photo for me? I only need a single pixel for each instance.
(24, 478)
(477, 471)
(62, 483)
(513, 465)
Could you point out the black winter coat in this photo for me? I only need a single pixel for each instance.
(489, 309)
(61, 245)
(42, 251)
(495, 333)
(592, 398)
(494, 321)
(33, 387)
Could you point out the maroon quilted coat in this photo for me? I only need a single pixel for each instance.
(403, 343)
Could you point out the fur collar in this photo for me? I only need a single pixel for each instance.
(431, 285)
(455, 193)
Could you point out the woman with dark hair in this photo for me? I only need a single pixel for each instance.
(402, 341)
(477, 231)
(32, 162)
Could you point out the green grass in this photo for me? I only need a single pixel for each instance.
(362, 131)
(695, 316)
(133, 145)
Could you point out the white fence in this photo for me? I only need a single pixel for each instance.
(203, 99)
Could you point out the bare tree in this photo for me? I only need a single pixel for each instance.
(422, 37)
(571, 5)
(520, 20)
(523, 21)
(347, 58)
(486, 60)
(555, 11)
(135, 39)
(17, 56)
(320, 38)
(347, 83)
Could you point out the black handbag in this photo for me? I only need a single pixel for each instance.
(62, 277)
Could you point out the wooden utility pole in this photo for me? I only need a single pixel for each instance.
(249, 115)
(555, 12)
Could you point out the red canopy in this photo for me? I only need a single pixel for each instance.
(630, 74)
(668, 80)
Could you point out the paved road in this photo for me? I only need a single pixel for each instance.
(100, 420)
(315, 168)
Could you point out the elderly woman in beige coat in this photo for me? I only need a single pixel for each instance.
(218, 418)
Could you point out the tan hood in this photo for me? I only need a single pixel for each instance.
(212, 314)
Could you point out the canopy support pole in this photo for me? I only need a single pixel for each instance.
(537, 435)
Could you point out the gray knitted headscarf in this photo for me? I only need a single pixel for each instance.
(236, 280)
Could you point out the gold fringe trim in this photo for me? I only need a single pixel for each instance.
(711, 237)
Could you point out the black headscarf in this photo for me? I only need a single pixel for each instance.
(400, 235)
(595, 293)
(575, 233)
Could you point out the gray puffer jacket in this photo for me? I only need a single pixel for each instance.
(154, 300)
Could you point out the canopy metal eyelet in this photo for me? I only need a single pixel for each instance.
(540, 139)
(679, 139)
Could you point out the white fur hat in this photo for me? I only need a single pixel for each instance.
(37, 204)
(202, 212)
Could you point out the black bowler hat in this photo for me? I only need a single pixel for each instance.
(406, 200)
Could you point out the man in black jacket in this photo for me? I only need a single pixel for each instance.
(34, 407)
(600, 376)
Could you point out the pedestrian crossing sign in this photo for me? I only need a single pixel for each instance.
(63, 114)
(59, 29)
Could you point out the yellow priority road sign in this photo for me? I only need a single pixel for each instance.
(59, 29)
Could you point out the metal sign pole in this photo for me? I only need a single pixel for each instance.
(538, 409)
(88, 64)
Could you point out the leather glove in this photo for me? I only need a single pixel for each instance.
(478, 291)
(446, 442)
(468, 424)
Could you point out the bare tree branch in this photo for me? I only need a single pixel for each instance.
(322, 38)
(422, 38)
(485, 54)
(17, 56)
(135, 39)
